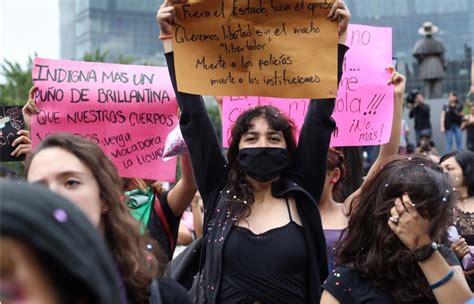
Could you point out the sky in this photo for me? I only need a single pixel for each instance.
(28, 27)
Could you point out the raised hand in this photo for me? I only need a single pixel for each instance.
(410, 227)
(340, 12)
(30, 107)
(166, 16)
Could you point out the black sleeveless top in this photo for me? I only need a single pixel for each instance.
(265, 268)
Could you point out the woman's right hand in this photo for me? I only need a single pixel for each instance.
(460, 248)
(166, 16)
(30, 107)
(410, 227)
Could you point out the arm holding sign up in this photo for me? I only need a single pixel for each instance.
(208, 162)
(316, 131)
(30, 107)
(22, 143)
(182, 194)
(391, 148)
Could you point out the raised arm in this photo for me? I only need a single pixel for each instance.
(315, 137)
(182, 194)
(390, 148)
(208, 163)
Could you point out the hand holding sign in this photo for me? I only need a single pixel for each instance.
(340, 12)
(30, 107)
(166, 17)
(398, 82)
(22, 144)
(12, 134)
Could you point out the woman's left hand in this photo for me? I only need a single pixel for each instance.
(340, 12)
(410, 227)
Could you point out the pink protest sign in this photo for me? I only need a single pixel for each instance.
(364, 103)
(128, 110)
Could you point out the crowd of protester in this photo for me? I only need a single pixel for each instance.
(273, 221)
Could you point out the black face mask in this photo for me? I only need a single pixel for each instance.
(263, 164)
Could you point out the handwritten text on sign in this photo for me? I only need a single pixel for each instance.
(128, 110)
(364, 106)
(282, 48)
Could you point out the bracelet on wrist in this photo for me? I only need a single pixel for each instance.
(422, 253)
(443, 280)
(166, 37)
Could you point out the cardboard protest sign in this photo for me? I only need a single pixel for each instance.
(281, 48)
(128, 110)
(11, 121)
(364, 105)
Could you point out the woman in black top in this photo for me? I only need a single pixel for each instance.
(264, 198)
(388, 254)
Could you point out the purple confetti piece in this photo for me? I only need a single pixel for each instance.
(60, 215)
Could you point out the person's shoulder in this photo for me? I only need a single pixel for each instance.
(339, 282)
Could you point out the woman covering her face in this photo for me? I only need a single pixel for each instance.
(391, 252)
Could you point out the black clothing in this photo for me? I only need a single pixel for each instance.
(171, 292)
(348, 287)
(253, 272)
(453, 115)
(164, 225)
(71, 251)
(421, 113)
(470, 137)
(211, 173)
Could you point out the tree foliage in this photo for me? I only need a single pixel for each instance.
(18, 83)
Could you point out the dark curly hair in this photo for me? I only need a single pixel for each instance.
(241, 191)
(372, 249)
(465, 159)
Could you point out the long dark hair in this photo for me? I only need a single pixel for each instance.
(372, 249)
(137, 265)
(465, 159)
(241, 191)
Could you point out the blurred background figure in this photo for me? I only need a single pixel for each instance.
(450, 123)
